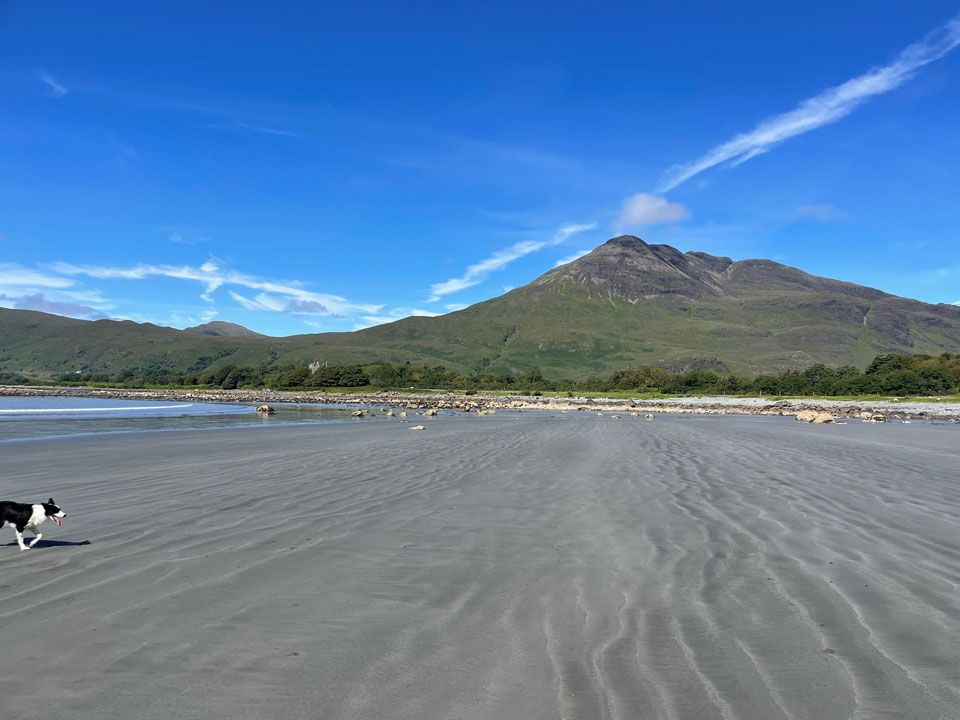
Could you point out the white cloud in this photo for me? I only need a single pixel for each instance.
(644, 209)
(25, 289)
(16, 276)
(268, 130)
(91, 297)
(452, 307)
(393, 316)
(956, 303)
(245, 302)
(828, 107)
(570, 258)
(820, 213)
(274, 295)
(476, 273)
(508, 288)
(270, 302)
(56, 89)
(182, 239)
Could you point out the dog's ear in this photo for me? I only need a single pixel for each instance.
(51, 502)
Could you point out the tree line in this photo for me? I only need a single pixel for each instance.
(887, 374)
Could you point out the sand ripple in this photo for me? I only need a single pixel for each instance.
(517, 566)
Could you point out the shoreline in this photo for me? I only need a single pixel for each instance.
(892, 410)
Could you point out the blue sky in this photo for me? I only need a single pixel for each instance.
(308, 167)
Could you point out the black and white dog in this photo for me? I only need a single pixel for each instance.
(28, 517)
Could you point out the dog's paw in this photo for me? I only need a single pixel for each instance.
(25, 547)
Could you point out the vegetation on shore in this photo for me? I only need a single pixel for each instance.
(888, 374)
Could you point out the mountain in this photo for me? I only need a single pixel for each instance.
(626, 304)
(219, 328)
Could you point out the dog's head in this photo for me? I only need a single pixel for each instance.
(53, 511)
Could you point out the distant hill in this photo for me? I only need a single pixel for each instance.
(219, 328)
(626, 304)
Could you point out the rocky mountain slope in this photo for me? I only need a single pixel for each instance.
(626, 304)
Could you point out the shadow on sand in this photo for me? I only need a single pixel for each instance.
(53, 543)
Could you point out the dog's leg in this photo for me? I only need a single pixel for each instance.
(37, 537)
(20, 538)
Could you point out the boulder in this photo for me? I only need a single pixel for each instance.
(358, 413)
(265, 409)
(432, 412)
(814, 417)
(418, 427)
(648, 416)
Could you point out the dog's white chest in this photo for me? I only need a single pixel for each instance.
(37, 518)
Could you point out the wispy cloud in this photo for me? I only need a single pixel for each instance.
(240, 127)
(392, 316)
(828, 107)
(476, 273)
(57, 90)
(643, 209)
(273, 296)
(269, 130)
(192, 237)
(27, 289)
(570, 258)
(15, 276)
(820, 213)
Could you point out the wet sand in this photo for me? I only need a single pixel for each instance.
(523, 565)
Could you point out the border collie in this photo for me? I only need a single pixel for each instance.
(23, 517)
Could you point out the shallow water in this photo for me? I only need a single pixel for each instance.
(30, 418)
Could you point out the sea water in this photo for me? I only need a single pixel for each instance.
(27, 418)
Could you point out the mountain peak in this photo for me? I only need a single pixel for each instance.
(628, 241)
(219, 328)
(632, 269)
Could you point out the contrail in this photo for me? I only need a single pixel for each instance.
(823, 109)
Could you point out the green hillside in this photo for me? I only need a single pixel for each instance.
(626, 304)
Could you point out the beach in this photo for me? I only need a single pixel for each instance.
(537, 565)
(892, 408)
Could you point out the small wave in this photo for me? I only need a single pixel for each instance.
(31, 411)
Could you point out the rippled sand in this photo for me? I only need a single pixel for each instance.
(514, 566)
